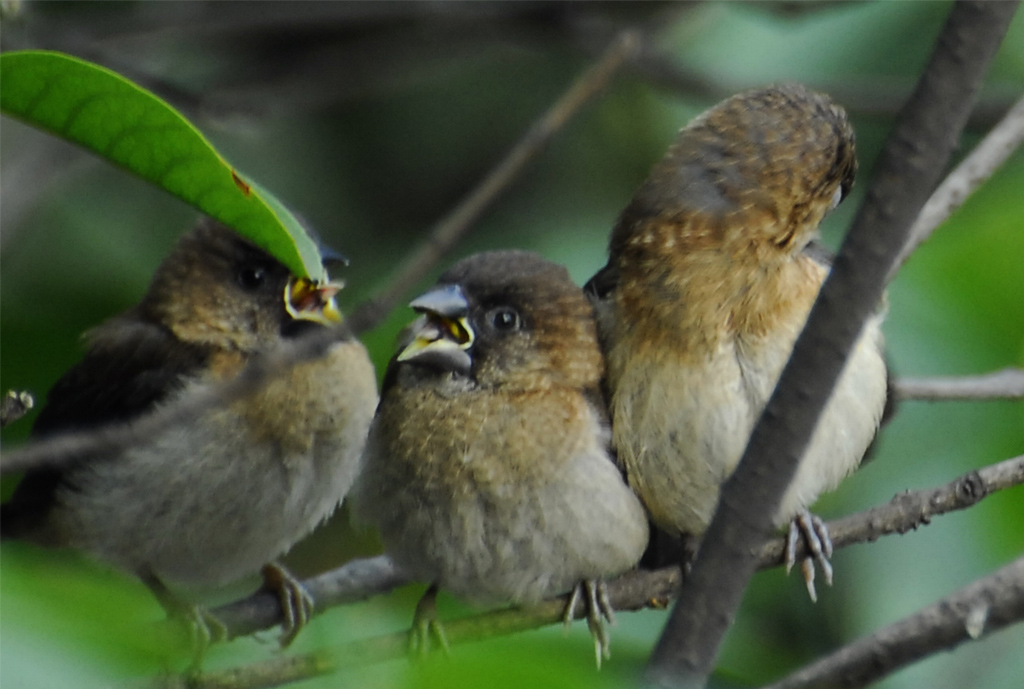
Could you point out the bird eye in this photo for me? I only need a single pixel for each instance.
(504, 319)
(251, 278)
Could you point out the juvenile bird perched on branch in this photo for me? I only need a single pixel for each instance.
(710, 277)
(487, 468)
(211, 502)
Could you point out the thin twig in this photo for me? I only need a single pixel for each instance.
(987, 157)
(453, 227)
(906, 173)
(907, 511)
(1007, 384)
(636, 590)
(971, 613)
(64, 448)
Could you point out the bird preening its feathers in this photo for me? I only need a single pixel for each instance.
(525, 434)
(710, 277)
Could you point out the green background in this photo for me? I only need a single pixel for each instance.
(372, 120)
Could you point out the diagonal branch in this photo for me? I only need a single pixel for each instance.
(910, 510)
(453, 227)
(987, 157)
(64, 448)
(971, 613)
(908, 169)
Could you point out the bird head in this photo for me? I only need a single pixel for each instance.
(217, 288)
(757, 172)
(506, 319)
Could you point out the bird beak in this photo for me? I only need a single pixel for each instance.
(308, 300)
(442, 335)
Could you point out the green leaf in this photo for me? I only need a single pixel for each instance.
(131, 127)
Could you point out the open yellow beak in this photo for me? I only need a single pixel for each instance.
(308, 300)
(442, 335)
(437, 332)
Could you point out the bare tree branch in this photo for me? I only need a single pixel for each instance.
(907, 511)
(907, 171)
(361, 579)
(632, 591)
(354, 581)
(1006, 384)
(453, 227)
(971, 613)
(987, 157)
(64, 448)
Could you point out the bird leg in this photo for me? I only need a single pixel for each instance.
(203, 627)
(599, 609)
(819, 544)
(297, 604)
(426, 625)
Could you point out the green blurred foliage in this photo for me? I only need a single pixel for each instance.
(372, 121)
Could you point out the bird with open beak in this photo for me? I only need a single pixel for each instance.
(710, 277)
(207, 503)
(488, 471)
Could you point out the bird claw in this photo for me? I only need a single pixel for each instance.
(819, 544)
(427, 626)
(599, 610)
(204, 628)
(297, 604)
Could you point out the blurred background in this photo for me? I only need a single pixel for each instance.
(372, 120)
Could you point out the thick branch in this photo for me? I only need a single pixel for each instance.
(971, 613)
(455, 225)
(906, 173)
(1006, 384)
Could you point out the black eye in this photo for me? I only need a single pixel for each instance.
(504, 319)
(251, 278)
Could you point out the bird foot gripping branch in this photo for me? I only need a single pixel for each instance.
(427, 629)
(599, 610)
(488, 468)
(297, 604)
(202, 626)
(187, 504)
(814, 531)
(712, 270)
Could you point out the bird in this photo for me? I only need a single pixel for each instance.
(487, 471)
(713, 267)
(208, 503)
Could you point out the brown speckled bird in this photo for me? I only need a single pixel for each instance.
(209, 503)
(710, 277)
(487, 468)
